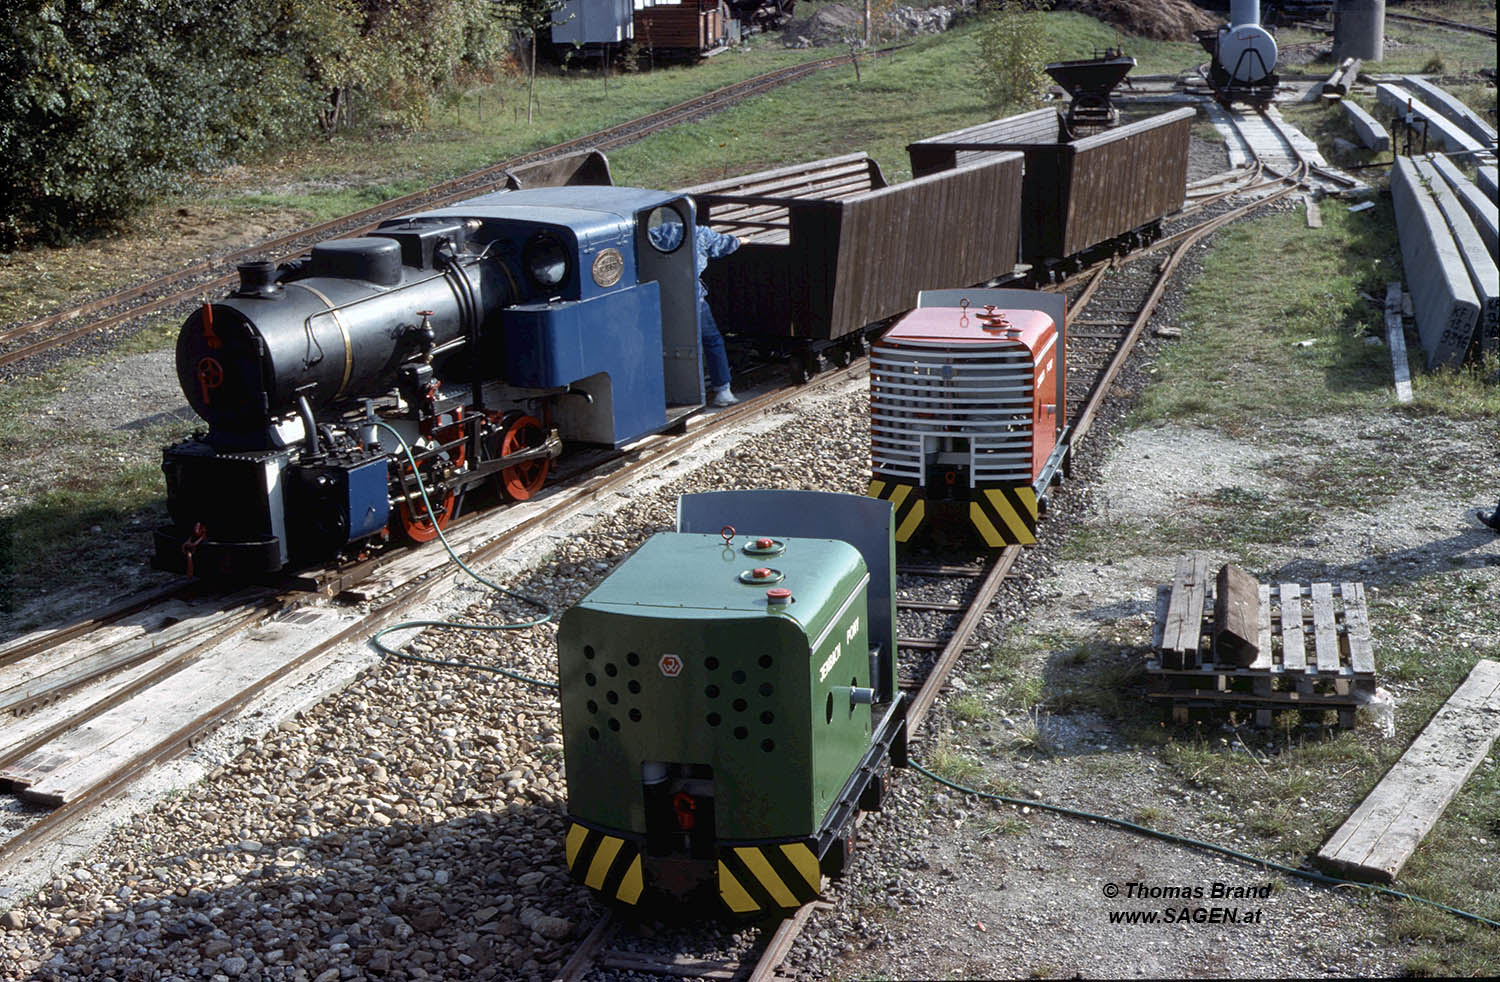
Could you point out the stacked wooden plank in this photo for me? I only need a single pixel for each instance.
(1391, 822)
(1443, 297)
(690, 25)
(1311, 651)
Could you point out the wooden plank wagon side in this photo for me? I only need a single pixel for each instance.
(1082, 194)
(829, 247)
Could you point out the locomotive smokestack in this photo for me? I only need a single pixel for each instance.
(1243, 12)
(257, 279)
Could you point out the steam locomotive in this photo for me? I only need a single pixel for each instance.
(484, 335)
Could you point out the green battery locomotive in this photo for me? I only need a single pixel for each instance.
(729, 702)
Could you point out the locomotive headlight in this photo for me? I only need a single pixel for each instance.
(546, 260)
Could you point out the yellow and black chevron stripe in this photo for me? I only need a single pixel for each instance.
(774, 877)
(910, 507)
(606, 863)
(1005, 516)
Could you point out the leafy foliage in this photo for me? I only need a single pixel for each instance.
(110, 102)
(1013, 54)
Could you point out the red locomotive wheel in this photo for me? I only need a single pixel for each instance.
(521, 432)
(418, 526)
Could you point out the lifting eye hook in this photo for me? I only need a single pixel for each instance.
(686, 810)
(727, 534)
(191, 545)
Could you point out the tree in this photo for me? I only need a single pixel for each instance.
(1014, 50)
(527, 18)
(107, 104)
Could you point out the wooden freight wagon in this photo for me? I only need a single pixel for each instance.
(829, 247)
(1079, 194)
(696, 25)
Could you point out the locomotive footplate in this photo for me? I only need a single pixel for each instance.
(177, 552)
(751, 877)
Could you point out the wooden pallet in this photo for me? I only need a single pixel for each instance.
(1314, 649)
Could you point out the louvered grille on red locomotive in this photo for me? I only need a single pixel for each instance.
(966, 406)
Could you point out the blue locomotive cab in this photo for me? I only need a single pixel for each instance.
(487, 334)
(602, 309)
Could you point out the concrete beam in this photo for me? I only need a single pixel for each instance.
(1439, 128)
(1367, 127)
(1486, 182)
(1443, 299)
(1481, 210)
(1455, 109)
(1483, 274)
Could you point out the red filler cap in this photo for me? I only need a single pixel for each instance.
(761, 573)
(765, 543)
(779, 595)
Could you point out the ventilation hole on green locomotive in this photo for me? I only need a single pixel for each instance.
(740, 733)
(768, 745)
(712, 691)
(614, 724)
(635, 715)
(632, 659)
(634, 687)
(738, 676)
(593, 706)
(613, 697)
(590, 678)
(714, 719)
(766, 688)
(767, 717)
(739, 705)
(765, 661)
(593, 733)
(710, 663)
(588, 651)
(610, 669)
(828, 713)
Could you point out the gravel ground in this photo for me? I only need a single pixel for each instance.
(408, 826)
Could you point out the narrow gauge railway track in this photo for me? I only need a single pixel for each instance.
(292, 633)
(1452, 25)
(321, 629)
(609, 944)
(191, 282)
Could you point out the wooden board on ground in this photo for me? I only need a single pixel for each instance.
(1391, 822)
(91, 754)
(1395, 338)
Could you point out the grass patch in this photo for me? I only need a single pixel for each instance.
(952, 765)
(1281, 347)
(969, 708)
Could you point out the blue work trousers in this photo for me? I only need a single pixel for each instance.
(713, 347)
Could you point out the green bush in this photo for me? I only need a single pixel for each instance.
(1014, 50)
(110, 102)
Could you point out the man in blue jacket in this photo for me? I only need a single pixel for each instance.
(707, 244)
